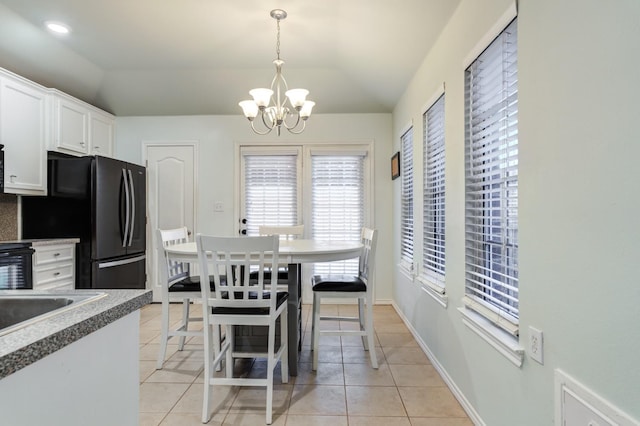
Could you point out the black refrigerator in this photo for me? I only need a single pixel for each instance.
(102, 201)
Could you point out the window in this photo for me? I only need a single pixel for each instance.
(433, 247)
(326, 187)
(491, 192)
(406, 218)
(270, 184)
(337, 210)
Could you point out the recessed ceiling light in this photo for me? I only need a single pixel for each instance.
(58, 27)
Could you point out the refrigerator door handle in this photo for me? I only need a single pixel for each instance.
(126, 197)
(133, 207)
(121, 262)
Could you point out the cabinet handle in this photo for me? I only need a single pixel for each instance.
(56, 254)
(12, 177)
(82, 143)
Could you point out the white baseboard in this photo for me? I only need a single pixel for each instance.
(457, 393)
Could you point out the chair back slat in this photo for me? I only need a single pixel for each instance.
(229, 260)
(284, 232)
(369, 239)
(174, 270)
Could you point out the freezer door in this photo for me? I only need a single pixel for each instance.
(121, 273)
(110, 215)
(136, 239)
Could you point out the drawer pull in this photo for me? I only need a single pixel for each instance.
(56, 273)
(56, 254)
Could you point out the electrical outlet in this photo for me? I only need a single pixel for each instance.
(535, 344)
(218, 207)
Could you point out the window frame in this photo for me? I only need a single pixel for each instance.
(494, 326)
(434, 241)
(266, 151)
(407, 198)
(349, 266)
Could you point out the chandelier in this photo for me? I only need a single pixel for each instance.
(290, 111)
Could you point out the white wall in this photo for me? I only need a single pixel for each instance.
(579, 203)
(217, 136)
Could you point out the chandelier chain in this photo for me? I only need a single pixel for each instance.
(278, 40)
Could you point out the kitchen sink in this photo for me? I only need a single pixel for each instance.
(21, 309)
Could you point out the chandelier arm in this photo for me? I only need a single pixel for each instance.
(297, 132)
(276, 86)
(289, 127)
(253, 127)
(270, 127)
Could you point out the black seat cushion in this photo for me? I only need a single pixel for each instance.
(283, 275)
(190, 284)
(345, 283)
(282, 296)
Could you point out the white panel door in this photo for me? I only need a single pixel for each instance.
(171, 180)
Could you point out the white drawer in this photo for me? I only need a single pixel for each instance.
(54, 273)
(58, 285)
(55, 253)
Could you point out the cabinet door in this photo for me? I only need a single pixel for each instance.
(72, 127)
(23, 131)
(101, 134)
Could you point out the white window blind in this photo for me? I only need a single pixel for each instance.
(433, 249)
(491, 193)
(271, 188)
(337, 205)
(406, 224)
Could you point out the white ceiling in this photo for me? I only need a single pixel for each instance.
(176, 57)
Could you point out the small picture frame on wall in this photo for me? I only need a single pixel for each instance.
(395, 166)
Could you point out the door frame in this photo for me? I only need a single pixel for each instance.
(339, 147)
(151, 235)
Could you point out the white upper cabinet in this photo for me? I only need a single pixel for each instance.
(101, 130)
(34, 119)
(24, 132)
(71, 125)
(81, 129)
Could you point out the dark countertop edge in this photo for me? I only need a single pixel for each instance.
(30, 353)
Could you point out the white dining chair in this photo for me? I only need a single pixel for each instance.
(359, 287)
(285, 233)
(176, 285)
(241, 300)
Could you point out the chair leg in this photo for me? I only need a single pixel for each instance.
(164, 336)
(316, 329)
(271, 365)
(370, 331)
(216, 343)
(185, 322)
(208, 360)
(361, 322)
(229, 336)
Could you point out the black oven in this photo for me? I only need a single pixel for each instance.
(16, 266)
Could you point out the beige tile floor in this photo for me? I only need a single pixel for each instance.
(345, 391)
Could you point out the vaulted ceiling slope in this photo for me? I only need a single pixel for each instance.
(186, 57)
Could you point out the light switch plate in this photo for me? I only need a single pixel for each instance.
(536, 344)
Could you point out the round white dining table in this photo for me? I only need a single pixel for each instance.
(293, 253)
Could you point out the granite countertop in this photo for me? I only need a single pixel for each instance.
(45, 241)
(29, 344)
